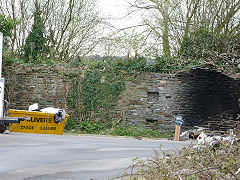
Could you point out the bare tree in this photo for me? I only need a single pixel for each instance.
(157, 19)
(71, 25)
(219, 16)
(170, 21)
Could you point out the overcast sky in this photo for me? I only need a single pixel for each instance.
(116, 9)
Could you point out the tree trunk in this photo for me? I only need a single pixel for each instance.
(165, 37)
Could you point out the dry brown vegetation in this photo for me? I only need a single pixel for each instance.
(222, 162)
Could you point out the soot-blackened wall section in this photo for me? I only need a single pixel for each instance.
(211, 99)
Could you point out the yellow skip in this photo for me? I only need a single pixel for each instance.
(41, 123)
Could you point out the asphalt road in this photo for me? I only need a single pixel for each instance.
(47, 157)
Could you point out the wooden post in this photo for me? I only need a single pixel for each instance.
(177, 133)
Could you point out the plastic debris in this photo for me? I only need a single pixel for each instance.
(214, 141)
(238, 171)
(201, 136)
(6, 132)
(59, 116)
(184, 136)
(50, 110)
(33, 107)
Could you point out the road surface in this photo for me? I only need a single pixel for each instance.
(52, 157)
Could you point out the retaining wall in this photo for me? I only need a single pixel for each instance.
(203, 97)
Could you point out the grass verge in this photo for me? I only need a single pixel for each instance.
(114, 129)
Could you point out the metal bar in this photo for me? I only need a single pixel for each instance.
(1, 50)
(14, 119)
(9, 121)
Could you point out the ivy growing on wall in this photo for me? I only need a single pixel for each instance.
(100, 90)
(89, 90)
(74, 99)
(74, 92)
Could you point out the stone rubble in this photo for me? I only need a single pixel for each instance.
(209, 139)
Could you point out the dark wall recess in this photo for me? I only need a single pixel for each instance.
(153, 96)
(211, 99)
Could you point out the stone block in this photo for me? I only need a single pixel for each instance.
(142, 88)
(134, 102)
(163, 82)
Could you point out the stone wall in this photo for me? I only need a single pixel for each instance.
(203, 97)
(149, 98)
(47, 86)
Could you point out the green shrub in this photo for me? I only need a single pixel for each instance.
(70, 124)
(166, 65)
(7, 25)
(11, 60)
(90, 128)
(199, 44)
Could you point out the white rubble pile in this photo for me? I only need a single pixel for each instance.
(204, 139)
(187, 134)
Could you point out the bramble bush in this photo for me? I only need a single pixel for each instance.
(221, 162)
